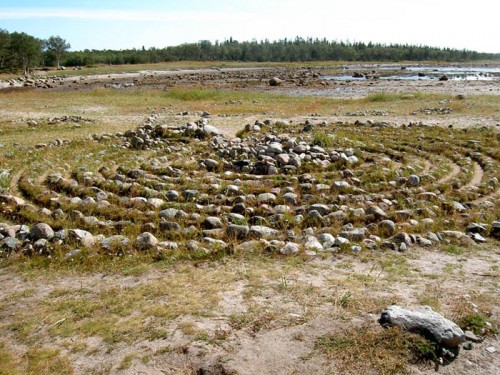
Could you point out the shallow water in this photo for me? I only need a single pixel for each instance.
(411, 73)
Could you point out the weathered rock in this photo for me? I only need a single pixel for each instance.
(169, 226)
(137, 143)
(260, 231)
(275, 81)
(323, 209)
(290, 248)
(266, 198)
(341, 186)
(425, 321)
(212, 222)
(168, 213)
(413, 180)
(237, 231)
(326, 237)
(495, 230)
(312, 243)
(82, 237)
(211, 164)
(400, 238)
(10, 244)
(387, 227)
(116, 242)
(41, 231)
(356, 234)
(377, 212)
(145, 241)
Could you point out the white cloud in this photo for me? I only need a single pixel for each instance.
(116, 15)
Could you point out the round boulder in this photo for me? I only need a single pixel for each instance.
(41, 231)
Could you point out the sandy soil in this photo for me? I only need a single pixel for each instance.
(285, 340)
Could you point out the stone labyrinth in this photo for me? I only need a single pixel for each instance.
(295, 189)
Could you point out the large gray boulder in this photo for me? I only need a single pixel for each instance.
(423, 320)
(41, 231)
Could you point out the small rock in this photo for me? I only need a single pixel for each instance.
(82, 237)
(212, 222)
(414, 180)
(290, 248)
(275, 81)
(237, 231)
(145, 241)
(470, 336)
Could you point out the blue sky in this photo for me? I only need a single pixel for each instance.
(124, 24)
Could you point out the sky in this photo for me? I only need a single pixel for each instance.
(123, 24)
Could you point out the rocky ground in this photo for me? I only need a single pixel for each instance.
(244, 250)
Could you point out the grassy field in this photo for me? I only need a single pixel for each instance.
(233, 308)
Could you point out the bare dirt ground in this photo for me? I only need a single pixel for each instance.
(287, 309)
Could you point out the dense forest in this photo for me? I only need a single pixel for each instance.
(20, 51)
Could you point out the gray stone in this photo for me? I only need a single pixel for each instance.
(414, 180)
(326, 237)
(172, 195)
(168, 213)
(41, 231)
(212, 222)
(469, 335)
(341, 186)
(10, 244)
(274, 148)
(290, 248)
(377, 212)
(425, 321)
(266, 198)
(211, 164)
(282, 159)
(312, 243)
(260, 231)
(323, 209)
(339, 241)
(357, 234)
(495, 230)
(291, 198)
(237, 231)
(137, 143)
(190, 194)
(168, 226)
(82, 237)
(478, 238)
(145, 241)
(275, 81)
(210, 130)
(116, 242)
(400, 238)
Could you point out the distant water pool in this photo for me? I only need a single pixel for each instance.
(421, 73)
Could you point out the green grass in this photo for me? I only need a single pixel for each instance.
(323, 139)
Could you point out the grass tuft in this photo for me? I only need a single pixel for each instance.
(385, 351)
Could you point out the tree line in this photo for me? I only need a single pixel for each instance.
(296, 50)
(20, 51)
